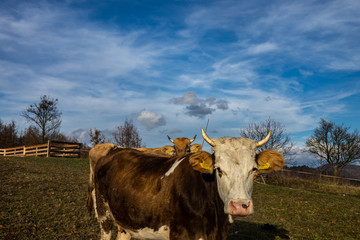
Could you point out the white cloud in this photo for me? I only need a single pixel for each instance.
(151, 120)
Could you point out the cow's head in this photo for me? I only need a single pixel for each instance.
(236, 164)
(183, 145)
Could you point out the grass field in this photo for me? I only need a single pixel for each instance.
(45, 199)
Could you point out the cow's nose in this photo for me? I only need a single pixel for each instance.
(240, 208)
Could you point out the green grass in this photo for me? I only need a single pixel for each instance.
(45, 199)
(306, 214)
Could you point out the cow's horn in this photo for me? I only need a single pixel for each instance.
(193, 139)
(262, 142)
(207, 139)
(170, 139)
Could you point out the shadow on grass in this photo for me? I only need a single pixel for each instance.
(255, 231)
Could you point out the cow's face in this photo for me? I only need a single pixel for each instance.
(235, 169)
(182, 145)
(236, 166)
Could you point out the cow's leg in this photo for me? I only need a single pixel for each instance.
(103, 215)
(106, 225)
(90, 197)
(93, 197)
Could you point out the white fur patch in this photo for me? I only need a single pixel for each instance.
(173, 167)
(163, 233)
(123, 236)
(94, 201)
(231, 220)
(105, 236)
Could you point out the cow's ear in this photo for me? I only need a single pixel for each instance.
(269, 160)
(195, 148)
(169, 150)
(202, 162)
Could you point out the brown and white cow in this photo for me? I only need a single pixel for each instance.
(181, 146)
(187, 197)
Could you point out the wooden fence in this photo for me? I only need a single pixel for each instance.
(51, 149)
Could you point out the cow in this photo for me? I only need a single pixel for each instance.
(181, 146)
(188, 197)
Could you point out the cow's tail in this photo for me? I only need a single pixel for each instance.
(89, 200)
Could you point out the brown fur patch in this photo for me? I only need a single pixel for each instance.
(165, 151)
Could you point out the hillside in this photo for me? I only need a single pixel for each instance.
(350, 171)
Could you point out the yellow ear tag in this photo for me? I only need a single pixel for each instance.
(168, 151)
(264, 166)
(196, 149)
(205, 166)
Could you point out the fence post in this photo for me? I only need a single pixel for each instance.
(24, 151)
(49, 148)
(4, 152)
(79, 154)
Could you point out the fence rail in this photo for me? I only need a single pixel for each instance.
(51, 149)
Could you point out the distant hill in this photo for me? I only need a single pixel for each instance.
(350, 171)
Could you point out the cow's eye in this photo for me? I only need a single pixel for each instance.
(219, 171)
(254, 170)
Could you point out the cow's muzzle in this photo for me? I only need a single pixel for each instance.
(241, 208)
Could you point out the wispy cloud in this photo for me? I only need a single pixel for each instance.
(262, 48)
(76, 48)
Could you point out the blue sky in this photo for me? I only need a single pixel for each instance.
(172, 65)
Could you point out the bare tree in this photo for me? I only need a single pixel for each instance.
(31, 136)
(334, 144)
(279, 140)
(45, 115)
(127, 135)
(96, 136)
(8, 135)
